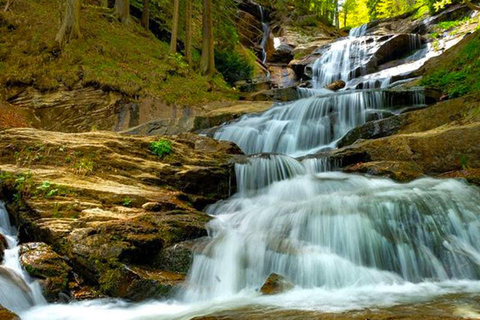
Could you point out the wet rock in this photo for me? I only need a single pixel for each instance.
(41, 262)
(6, 314)
(373, 130)
(472, 175)
(336, 85)
(396, 170)
(3, 246)
(276, 284)
(282, 54)
(179, 257)
(159, 206)
(281, 94)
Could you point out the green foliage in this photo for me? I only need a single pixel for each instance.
(84, 166)
(447, 25)
(460, 76)
(127, 202)
(161, 147)
(233, 66)
(464, 162)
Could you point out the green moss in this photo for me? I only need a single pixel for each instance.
(460, 76)
(161, 148)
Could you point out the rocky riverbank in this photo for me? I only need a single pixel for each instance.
(107, 216)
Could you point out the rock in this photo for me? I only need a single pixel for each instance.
(299, 66)
(282, 54)
(373, 130)
(396, 170)
(117, 219)
(41, 262)
(6, 314)
(3, 246)
(281, 94)
(336, 85)
(276, 284)
(282, 76)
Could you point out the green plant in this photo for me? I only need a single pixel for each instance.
(161, 147)
(84, 166)
(127, 202)
(464, 162)
(233, 65)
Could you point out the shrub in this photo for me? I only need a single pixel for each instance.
(161, 147)
(233, 66)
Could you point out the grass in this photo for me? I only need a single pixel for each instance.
(460, 76)
(110, 56)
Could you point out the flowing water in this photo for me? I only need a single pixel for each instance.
(17, 291)
(346, 242)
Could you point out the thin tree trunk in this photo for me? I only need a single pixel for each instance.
(472, 6)
(207, 62)
(122, 10)
(70, 26)
(104, 3)
(173, 40)
(146, 15)
(345, 19)
(188, 31)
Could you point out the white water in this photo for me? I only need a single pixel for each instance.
(347, 242)
(18, 292)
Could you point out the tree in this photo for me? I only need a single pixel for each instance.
(146, 15)
(472, 6)
(207, 61)
(188, 31)
(104, 3)
(122, 10)
(173, 39)
(70, 23)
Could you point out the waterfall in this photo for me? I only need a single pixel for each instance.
(334, 231)
(304, 126)
(18, 292)
(266, 33)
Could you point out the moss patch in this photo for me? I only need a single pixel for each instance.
(459, 76)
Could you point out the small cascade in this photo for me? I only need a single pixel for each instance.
(266, 33)
(358, 31)
(262, 170)
(304, 126)
(18, 292)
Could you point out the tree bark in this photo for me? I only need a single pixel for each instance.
(472, 6)
(122, 10)
(173, 40)
(188, 31)
(70, 25)
(207, 62)
(146, 15)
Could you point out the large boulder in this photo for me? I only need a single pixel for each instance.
(41, 262)
(276, 284)
(282, 54)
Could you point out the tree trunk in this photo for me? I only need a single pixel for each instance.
(122, 10)
(104, 3)
(173, 40)
(188, 31)
(472, 6)
(207, 62)
(70, 26)
(146, 15)
(345, 19)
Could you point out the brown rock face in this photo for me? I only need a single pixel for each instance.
(3, 246)
(276, 284)
(337, 85)
(40, 261)
(110, 206)
(6, 314)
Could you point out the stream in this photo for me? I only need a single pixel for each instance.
(348, 243)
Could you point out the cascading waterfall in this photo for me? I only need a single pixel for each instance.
(266, 33)
(18, 292)
(304, 126)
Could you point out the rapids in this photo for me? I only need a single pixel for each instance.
(346, 242)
